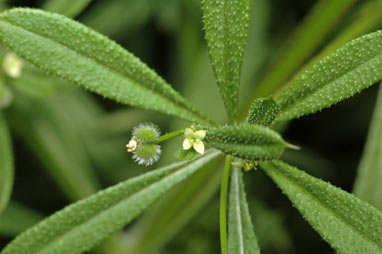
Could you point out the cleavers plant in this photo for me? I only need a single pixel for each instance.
(73, 52)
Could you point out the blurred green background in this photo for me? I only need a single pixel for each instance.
(69, 143)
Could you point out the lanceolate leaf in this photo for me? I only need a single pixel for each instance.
(174, 211)
(66, 7)
(84, 224)
(307, 37)
(72, 51)
(348, 224)
(368, 19)
(241, 236)
(247, 141)
(6, 164)
(355, 66)
(226, 28)
(368, 184)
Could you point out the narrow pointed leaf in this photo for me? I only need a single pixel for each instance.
(84, 224)
(241, 236)
(174, 211)
(263, 111)
(68, 8)
(368, 184)
(348, 224)
(247, 141)
(355, 66)
(67, 49)
(226, 29)
(6, 164)
(368, 19)
(304, 41)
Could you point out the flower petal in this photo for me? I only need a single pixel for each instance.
(199, 147)
(188, 133)
(187, 144)
(200, 134)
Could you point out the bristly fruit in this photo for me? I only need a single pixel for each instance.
(143, 144)
(146, 133)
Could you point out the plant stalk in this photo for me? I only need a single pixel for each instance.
(169, 136)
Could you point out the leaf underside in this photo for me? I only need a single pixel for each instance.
(84, 224)
(241, 236)
(348, 224)
(65, 48)
(355, 66)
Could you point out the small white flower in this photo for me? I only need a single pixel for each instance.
(12, 65)
(131, 146)
(194, 139)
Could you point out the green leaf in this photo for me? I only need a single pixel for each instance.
(368, 184)
(353, 67)
(16, 218)
(263, 111)
(226, 29)
(174, 211)
(241, 236)
(348, 224)
(6, 164)
(74, 52)
(368, 19)
(307, 37)
(68, 8)
(247, 141)
(185, 155)
(84, 224)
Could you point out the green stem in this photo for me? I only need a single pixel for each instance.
(169, 136)
(223, 204)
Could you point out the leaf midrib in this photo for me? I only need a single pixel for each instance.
(133, 81)
(322, 204)
(302, 98)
